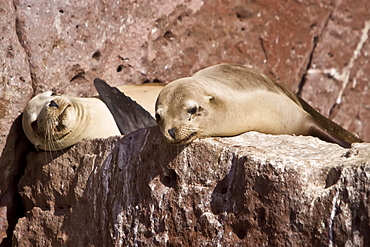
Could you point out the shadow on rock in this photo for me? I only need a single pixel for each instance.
(122, 186)
(12, 165)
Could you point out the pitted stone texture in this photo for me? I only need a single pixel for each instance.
(132, 42)
(337, 83)
(15, 79)
(310, 46)
(253, 189)
(3, 222)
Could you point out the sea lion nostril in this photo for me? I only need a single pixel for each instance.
(53, 104)
(172, 132)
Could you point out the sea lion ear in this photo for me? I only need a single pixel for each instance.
(210, 98)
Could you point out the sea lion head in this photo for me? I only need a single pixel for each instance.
(183, 111)
(48, 119)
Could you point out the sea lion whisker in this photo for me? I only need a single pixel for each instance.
(48, 142)
(189, 137)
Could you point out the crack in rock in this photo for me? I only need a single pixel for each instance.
(345, 75)
(310, 59)
(332, 215)
(22, 42)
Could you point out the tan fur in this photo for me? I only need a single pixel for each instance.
(51, 128)
(54, 128)
(144, 94)
(227, 100)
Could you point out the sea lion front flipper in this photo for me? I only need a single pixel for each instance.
(128, 114)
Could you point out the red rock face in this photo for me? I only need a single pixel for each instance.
(250, 190)
(339, 66)
(319, 49)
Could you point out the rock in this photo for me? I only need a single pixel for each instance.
(124, 44)
(346, 39)
(319, 49)
(15, 79)
(3, 222)
(12, 165)
(253, 189)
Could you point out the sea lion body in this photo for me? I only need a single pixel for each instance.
(144, 94)
(54, 122)
(227, 100)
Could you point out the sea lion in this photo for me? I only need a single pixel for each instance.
(227, 100)
(144, 94)
(54, 122)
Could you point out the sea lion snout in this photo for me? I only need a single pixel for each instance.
(53, 104)
(172, 132)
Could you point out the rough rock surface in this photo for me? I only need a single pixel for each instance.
(250, 190)
(339, 67)
(318, 48)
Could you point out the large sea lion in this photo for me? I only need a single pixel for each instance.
(54, 122)
(144, 94)
(227, 100)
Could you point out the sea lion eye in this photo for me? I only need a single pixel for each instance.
(157, 117)
(193, 110)
(53, 104)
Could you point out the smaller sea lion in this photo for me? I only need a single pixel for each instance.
(227, 100)
(54, 122)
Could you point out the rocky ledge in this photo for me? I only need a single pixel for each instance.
(249, 190)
